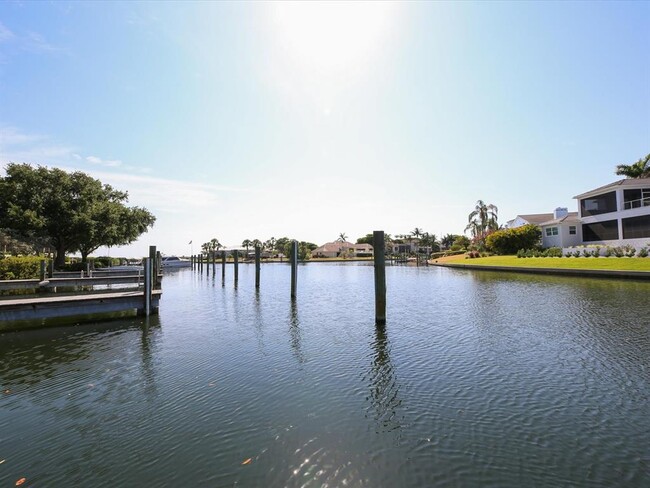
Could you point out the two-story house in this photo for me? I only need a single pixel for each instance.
(616, 214)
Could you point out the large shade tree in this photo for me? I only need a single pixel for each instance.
(482, 219)
(640, 169)
(70, 211)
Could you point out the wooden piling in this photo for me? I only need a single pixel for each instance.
(258, 253)
(158, 280)
(294, 269)
(223, 266)
(154, 266)
(147, 286)
(236, 264)
(380, 276)
(214, 263)
(51, 268)
(43, 269)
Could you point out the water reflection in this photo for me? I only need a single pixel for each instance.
(295, 334)
(384, 388)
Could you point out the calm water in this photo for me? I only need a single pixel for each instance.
(476, 380)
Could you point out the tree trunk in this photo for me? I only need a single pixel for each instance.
(59, 261)
(84, 257)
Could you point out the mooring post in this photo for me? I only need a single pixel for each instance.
(236, 264)
(223, 266)
(258, 253)
(158, 281)
(43, 269)
(294, 269)
(87, 270)
(380, 276)
(207, 263)
(51, 268)
(214, 263)
(154, 265)
(147, 286)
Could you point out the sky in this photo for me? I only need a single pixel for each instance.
(308, 120)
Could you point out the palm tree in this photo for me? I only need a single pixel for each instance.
(640, 169)
(342, 237)
(483, 218)
(417, 232)
(215, 244)
(247, 243)
(448, 241)
(270, 245)
(256, 243)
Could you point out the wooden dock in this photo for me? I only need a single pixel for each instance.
(76, 298)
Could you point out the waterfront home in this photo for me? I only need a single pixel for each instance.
(342, 249)
(409, 245)
(616, 214)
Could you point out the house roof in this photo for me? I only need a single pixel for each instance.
(570, 218)
(536, 219)
(626, 183)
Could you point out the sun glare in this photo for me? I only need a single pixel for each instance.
(330, 37)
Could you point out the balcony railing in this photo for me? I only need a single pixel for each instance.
(641, 202)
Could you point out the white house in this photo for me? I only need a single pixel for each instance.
(616, 214)
(563, 230)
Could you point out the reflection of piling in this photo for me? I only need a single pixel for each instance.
(236, 265)
(294, 268)
(223, 266)
(380, 277)
(258, 253)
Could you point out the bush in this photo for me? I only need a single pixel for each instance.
(608, 252)
(643, 253)
(576, 253)
(618, 252)
(595, 252)
(20, 268)
(586, 253)
(554, 252)
(629, 251)
(509, 241)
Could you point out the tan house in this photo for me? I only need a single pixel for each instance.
(342, 249)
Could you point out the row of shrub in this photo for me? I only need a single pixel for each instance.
(587, 252)
(20, 268)
(442, 254)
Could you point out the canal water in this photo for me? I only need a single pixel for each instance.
(478, 379)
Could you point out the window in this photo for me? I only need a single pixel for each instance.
(636, 227)
(599, 204)
(636, 198)
(600, 231)
(551, 231)
(572, 230)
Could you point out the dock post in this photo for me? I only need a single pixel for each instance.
(51, 268)
(157, 280)
(214, 263)
(43, 274)
(207, 263)
(147, 286)
(294, 269)
(380, 276)
(87, 270)
(223, 266)
(154, 265)
(236, 263)
(192, 261)
(258, 253)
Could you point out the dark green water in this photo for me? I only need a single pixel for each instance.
(477, 379)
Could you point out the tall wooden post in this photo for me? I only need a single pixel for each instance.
(294, 269)
(258, 253)
(147, 286)
(207, 263)
(51, 268)
(214, 263)
(223, 266)
(236, 265)
(157, 281)
(154, 266)
(42, 274)
(380, 276)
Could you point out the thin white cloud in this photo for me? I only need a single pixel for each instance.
(5, 34)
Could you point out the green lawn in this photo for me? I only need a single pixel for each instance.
(620, 264)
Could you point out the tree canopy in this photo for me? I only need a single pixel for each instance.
(69, 211)
(640, 169)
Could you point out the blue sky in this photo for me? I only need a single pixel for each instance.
(252, 120)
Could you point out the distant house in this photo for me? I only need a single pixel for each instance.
(535, 219)
(409, 245)
(342, 248)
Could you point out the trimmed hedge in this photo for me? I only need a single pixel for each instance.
(20, 268)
